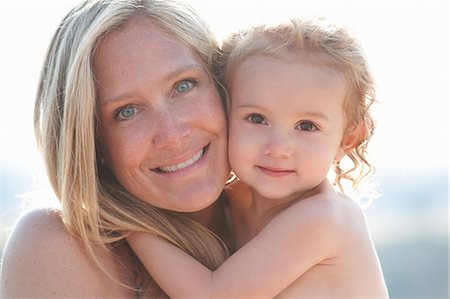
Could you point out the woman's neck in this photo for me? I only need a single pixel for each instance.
(210, 217)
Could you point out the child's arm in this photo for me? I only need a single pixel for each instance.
(300, 237)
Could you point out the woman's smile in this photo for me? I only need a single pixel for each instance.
(182, 165)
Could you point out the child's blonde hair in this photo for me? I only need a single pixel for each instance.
(336, 49)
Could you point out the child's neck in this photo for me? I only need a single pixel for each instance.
(251, 212)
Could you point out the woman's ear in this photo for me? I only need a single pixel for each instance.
(353, 137)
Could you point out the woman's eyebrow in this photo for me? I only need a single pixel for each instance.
(179, 71)
(116, 98)
(169, 77)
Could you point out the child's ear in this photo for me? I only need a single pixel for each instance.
(353, 137)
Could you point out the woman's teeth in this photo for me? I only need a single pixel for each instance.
(182, 165)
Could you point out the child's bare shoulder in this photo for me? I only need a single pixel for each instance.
(331, 212)
(337, 207)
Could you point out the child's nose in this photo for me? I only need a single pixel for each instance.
(279, 146)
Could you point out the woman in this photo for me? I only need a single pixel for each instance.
(133, 133)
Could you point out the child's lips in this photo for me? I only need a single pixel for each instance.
(275, 172)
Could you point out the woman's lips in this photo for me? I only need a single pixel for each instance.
(175, 167)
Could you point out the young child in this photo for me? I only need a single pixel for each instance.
(300, 94)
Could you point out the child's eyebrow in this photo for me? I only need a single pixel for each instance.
(300, 115)
(316, 115)
(247, 106)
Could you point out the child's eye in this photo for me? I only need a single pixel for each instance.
(125, 113)
(185, 86)
(306, 126)
(256, 119)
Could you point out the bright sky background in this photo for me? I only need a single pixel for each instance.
(406, 43)
(407, 46)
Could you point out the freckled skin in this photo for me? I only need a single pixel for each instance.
(159, 107)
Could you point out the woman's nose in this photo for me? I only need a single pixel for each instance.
(170, 130)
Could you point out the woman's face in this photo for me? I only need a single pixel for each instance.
(162, 128)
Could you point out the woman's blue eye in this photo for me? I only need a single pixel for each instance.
(307, 126)
(184, 86)
(126, 113)
(256, 119)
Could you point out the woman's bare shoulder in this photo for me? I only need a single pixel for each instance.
(35, 231)
(42, 259)
(45, 220)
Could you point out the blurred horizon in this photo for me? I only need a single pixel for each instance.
(408, 223)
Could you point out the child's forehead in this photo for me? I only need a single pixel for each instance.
(281, 73)
(279, 67)
(294, 59)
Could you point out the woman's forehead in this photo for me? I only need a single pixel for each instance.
(140, 53)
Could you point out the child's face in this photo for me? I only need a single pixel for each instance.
(286, 124)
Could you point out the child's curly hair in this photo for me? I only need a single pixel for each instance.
(335, 48)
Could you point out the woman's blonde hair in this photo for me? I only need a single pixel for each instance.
(335, 48)
(94, 205)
